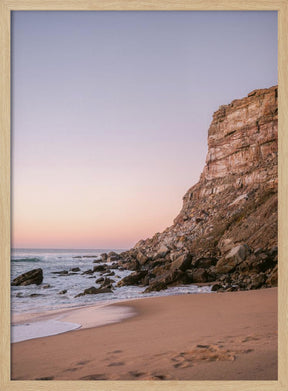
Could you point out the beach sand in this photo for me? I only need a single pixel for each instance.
(218, 336)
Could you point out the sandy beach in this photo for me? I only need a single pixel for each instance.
(221, 336)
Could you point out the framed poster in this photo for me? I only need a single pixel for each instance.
(106, 112)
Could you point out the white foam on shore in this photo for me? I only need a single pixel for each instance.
(44, 328)
(85, 317)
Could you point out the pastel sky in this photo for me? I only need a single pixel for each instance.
(110, 113)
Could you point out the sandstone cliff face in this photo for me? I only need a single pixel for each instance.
(234, 202)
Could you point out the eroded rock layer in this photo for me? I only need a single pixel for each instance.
(233, 204)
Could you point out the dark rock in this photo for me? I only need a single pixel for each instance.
(205, 262)
(130, 264)
(133, 279)
(98, 260)
(63, 292)
(99, 268)
(94, 291)
(112, 256)
(104, 256)
(200, 275)
(183, 262)
(216, 287)
(99, 280)
(46, 286)
(156, 286)
(75, 269)
(110, 274)
(89, 271)
(35, 295)
(107, 281)
(34, 276)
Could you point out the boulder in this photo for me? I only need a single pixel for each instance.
(133, 279)
(89, 271)
(162, 251)
(156, 286)
(216, 287)
(205, 262)
(141, 257)
(94, 291)
(63, 292)
(199, 275)
(235, 256)
(75, 269)
(114, 266)
(239, 253)
(183, 262)
(104, 257)
(110, 274)
(98, 260)
(113, 258)
(130, 264)
(99, 268)
(34, 276)
(107, 281)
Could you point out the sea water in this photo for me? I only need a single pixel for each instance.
(46, 296)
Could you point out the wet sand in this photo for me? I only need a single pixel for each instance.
(221, 336)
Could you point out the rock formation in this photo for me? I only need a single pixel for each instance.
(34, 276)
(227, 228)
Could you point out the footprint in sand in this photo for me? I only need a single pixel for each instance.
(97, 376)
(71, 369)
(250, 338)
(116, 364)
(136, 374)
(82, 362)
(202, 353)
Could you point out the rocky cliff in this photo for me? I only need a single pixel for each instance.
(227, 228)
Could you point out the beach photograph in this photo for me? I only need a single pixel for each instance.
(144, 195)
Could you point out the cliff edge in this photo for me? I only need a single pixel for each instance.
(226, 230)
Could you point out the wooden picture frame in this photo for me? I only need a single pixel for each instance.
(141, 5)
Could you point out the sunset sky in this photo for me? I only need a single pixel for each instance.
(110, 114)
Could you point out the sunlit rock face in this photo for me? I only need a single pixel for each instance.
(235, 200)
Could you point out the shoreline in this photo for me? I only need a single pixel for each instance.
(29, 326)
(108, 311)
(224, 336)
